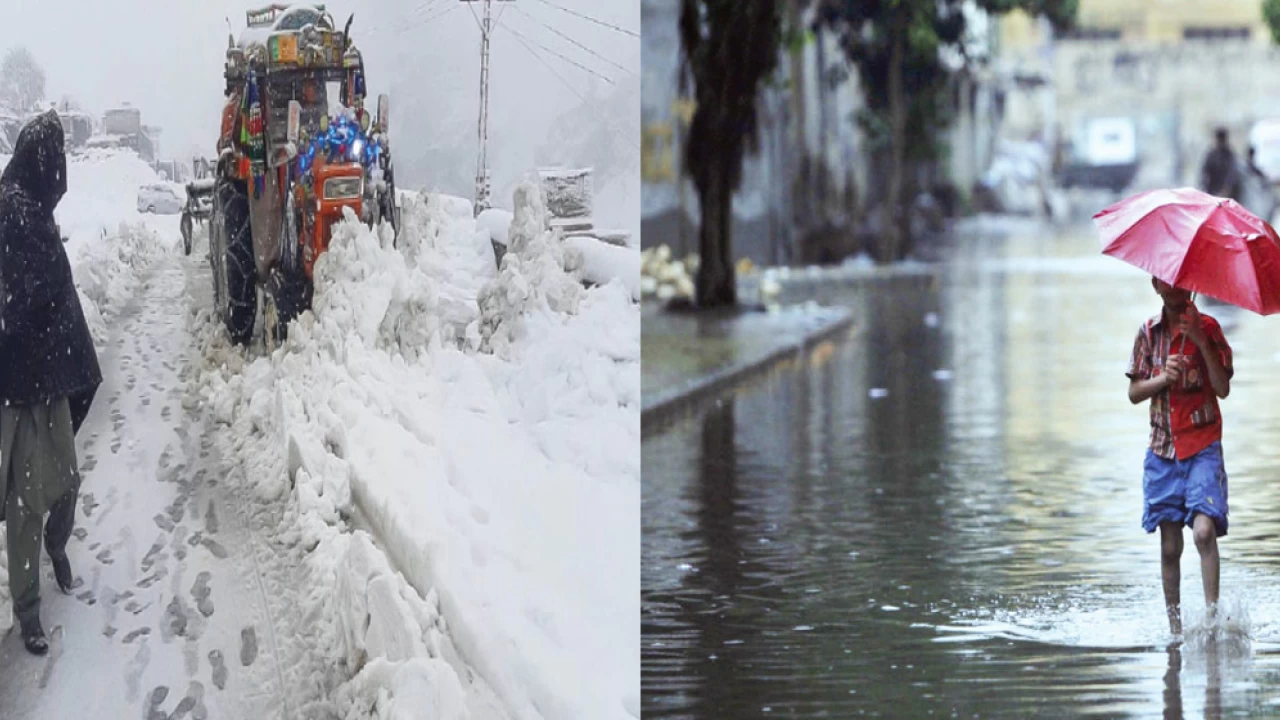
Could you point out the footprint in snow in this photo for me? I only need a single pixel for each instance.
(219, 675)
(248, 646)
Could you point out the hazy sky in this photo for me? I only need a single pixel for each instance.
(545, 59)
(165, 57)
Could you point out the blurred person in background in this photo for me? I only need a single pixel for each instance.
(1220, 174)
(1259, 197)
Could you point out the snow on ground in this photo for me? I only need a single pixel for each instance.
(183, 600)
(601, 261)
(503, 485)
(429, 499)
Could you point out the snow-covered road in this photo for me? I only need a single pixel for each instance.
(425, 505)
(176, 592)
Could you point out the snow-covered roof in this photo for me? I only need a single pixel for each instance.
(254, 36)
(558, 172)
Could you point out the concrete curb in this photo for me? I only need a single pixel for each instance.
(672, 402)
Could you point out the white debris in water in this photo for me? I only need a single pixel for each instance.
(877, 393)
(931, 320)
(803, 628)
(890, 608)
(942, 375)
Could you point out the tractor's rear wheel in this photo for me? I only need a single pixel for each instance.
(287, 295)
(239, 279)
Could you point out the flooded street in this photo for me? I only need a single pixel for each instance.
(938, 514)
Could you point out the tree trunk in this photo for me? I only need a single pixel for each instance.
(895, 226)
(715, 281)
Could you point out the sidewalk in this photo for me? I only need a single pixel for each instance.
(690, 357)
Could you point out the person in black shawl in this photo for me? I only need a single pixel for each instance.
(48, 370)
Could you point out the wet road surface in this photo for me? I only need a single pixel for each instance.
(939, 515)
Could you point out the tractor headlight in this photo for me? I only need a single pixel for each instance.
(343, 188)
(357, 149)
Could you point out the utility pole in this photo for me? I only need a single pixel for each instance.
(482, 129)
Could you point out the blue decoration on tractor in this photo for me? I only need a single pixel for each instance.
(343, 138)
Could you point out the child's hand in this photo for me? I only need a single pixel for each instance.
(1172, 371)
(1191, 325)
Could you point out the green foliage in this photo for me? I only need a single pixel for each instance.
(866, 29)
(1271, 13)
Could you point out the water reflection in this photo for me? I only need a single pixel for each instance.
(965, 539)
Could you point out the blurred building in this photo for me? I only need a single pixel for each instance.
(1175, 69)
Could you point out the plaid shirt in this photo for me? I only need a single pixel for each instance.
(1185, 418)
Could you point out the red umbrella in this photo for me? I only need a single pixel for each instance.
(1197, 242)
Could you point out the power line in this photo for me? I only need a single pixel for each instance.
(562, 57)
(386, 22)
(424, 7)
(575, 42)
(611, 26)
(608, 123)
(425, 21)
(419, 11)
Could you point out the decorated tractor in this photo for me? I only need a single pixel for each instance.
(297, 148)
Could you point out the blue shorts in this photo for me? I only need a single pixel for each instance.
(1174, 491)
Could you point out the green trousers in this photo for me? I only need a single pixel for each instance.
(40, 473)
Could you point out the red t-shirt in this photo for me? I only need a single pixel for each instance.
(1186, 413)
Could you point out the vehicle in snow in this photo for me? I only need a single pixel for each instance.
(160, 198)
(1104, 154)
(198, 209)
(296, 150)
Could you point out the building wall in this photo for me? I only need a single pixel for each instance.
(1163, 21)
(1177, 94)
(1143, 59)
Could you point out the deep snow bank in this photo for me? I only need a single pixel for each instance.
(601, 262)
(109, 243)
(486, 426)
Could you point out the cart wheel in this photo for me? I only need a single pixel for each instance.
(185, 227)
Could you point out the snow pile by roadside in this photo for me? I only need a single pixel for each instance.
(107, 273)
(602, 262)
(535, 278)
(485, 427)
(102, 192)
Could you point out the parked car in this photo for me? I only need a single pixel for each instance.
(161, 199)
(1103, 154)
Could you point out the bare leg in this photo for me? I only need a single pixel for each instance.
(1170, 558)
(1207, 543)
